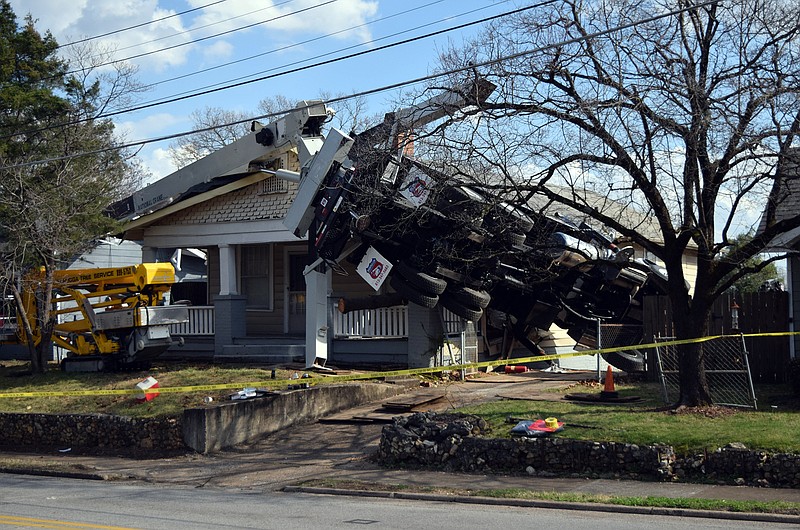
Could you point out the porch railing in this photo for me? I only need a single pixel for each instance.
(201, 322)
(385, 322)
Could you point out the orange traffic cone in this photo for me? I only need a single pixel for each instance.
(608, 388)
(609, 384)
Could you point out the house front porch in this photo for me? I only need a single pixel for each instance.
(369, 337)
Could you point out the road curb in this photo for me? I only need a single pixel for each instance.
(85, 475)
(559, 505)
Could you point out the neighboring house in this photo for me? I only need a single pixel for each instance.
(107, 253)
(789, 206)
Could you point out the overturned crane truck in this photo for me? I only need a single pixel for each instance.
(106, 318)
(440, 241)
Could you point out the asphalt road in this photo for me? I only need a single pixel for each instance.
(43, 502)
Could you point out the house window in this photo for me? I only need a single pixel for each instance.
(255, 275)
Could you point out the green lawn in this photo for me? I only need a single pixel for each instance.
(777, 507)
(647, 423)
(771, 429)
(14, 378)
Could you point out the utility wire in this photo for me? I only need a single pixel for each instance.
(468, 68)
(285, 72)
(201, 39)
(140, 25)
(204, 26)
(301, 43)
(301, 61)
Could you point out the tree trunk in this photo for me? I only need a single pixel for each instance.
(44, 350)
(692, 324)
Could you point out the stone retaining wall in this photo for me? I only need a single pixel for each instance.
(90, 430)
(207, 429)
(455, 443)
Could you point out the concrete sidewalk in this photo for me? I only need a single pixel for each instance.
(342, 451)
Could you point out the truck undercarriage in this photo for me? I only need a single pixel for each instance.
(449, 243)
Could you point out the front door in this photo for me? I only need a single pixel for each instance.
(296, 293)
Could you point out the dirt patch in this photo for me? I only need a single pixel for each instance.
(711, 411)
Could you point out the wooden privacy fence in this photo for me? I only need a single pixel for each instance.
(766, 312)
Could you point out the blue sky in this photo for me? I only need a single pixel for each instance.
(284, 33)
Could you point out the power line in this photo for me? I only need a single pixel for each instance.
(469, 68)
(114, 32)
(285, 72)
(301, 43)
(201, 39)
(373, 41)
(204, 26)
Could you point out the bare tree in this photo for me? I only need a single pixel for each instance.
(216, 127)
(60, 167)
(689, 116)
(352, 113)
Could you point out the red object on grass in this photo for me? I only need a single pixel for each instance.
(146, 385)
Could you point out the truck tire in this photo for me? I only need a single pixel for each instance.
(630, 361)
(423, 282)
(467, 312)
(410, 293)
(468, 296)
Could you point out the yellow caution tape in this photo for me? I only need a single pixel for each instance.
(272, 383)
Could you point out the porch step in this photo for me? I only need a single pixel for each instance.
(261, 353)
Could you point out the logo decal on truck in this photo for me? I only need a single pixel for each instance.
(374, 268)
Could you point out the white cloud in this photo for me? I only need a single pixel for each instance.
(297, 16)
(219, 50)
(151, 126)
(90, 18)
(50, 14)
(158, 162)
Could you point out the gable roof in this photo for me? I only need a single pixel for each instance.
(635, 219)
(788, 203)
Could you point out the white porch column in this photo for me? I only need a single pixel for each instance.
(227, 270)
(318, 288)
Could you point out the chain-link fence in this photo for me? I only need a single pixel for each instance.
(727, 371)
(461, 345)
(611, 335)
